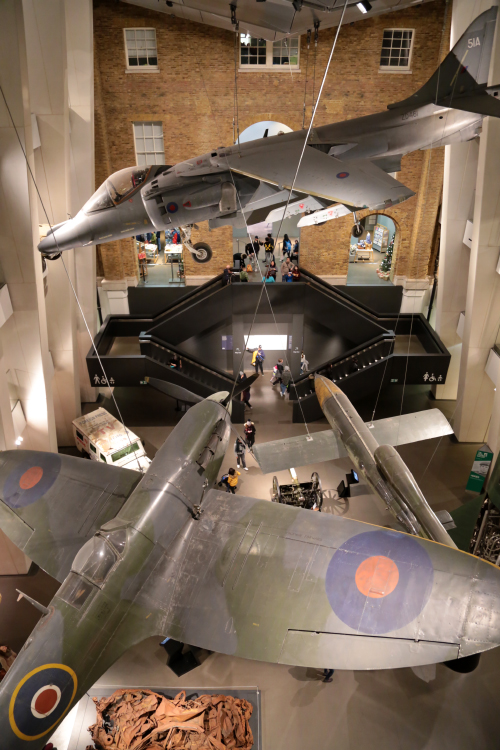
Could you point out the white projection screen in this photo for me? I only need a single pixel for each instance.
(277, 342)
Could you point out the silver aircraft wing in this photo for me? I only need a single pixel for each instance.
(50, 504)
(410, 428)
(326, 446)
(267, 581)
(302, 450)
(359, 183)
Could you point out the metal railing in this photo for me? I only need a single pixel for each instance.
(344, 365)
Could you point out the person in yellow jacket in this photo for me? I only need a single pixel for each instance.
(231, 480)
(258, 357)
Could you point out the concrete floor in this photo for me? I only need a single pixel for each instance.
(364, 273)
(392, 709)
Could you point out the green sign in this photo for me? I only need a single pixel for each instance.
(480, 468)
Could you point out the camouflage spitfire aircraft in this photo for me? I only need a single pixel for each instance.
(346, 163)
(167, 554)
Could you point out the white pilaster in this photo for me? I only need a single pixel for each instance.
(460, 171)
(482, 313)
(23, 337)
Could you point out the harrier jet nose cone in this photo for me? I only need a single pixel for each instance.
(72, 233)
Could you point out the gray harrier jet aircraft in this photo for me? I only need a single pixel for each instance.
(344, 163)
(168, 554)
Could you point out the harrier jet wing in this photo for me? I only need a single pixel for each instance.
(50, 504)
(275, 160)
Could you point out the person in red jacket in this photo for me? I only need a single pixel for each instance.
(249, 431)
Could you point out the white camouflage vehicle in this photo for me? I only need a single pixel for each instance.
(103, 438)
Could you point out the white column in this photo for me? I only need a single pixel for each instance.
(60, 67)
(482, 313)
(24, 339)
(460, 170)
(80, 52)
(47, 68)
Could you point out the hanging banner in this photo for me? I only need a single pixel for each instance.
(480, 468)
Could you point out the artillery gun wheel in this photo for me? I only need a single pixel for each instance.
(204, 252)
(276, 491)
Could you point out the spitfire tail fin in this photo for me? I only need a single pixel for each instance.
(461, 81)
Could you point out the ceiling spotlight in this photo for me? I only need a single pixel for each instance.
(364, 6)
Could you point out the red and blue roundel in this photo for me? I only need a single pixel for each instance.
(31, 478)
(342, 175)
(41, 699)
(379, 581)
(172, 207)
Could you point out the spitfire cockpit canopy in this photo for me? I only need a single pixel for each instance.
(117, 537)
(116, 188)
(95, 560)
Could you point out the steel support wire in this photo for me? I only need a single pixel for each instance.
(313, 115)
(291, 191)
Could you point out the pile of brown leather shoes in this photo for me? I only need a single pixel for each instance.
(143, 720)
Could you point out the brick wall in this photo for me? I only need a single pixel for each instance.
(193, 97)
(115, 260)
(221, 242)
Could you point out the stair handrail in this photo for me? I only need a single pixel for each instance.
(188, 358)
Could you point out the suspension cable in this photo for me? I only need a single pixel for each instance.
(67, 274)
(290, 193)
(305, 84)
(313, 114)
(316, 37)
(264, 287)
(235, 101)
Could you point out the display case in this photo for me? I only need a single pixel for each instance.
(380, 238)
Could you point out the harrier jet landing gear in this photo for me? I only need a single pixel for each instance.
(200, 251)
(357, 229)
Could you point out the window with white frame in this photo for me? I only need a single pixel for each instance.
(258, 54)
(149, 146)
(140, 48)
(397, 46)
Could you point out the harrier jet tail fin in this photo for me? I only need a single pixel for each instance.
(461, 81)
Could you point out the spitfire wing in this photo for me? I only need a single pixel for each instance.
(326, 446)
(267, 581)
(359, 183)
(50, 504)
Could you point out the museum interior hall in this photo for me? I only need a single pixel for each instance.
(249, 374)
